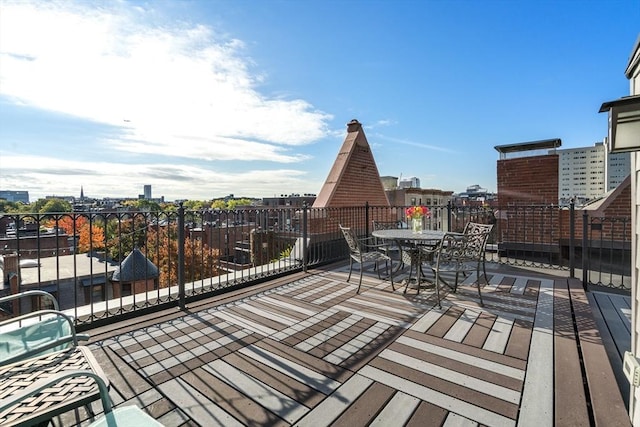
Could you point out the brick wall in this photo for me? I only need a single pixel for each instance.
(528, 180)
(615, 224)
(359, 182)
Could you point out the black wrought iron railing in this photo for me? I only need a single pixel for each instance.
(103, 264)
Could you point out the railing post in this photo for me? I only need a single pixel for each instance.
(449, 215)
(585, 250)
(181, 290)
(572, 242)
(366, 218)
(305, 234)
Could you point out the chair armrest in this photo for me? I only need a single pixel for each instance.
(372, 243)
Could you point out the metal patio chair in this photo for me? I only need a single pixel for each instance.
(460, 253)
(393, 249)
(363, 250)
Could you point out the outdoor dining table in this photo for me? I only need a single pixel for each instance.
(70, 394)
(409, 243)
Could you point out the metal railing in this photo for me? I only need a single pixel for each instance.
(84, 258)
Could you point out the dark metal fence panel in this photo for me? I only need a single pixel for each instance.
(606, 252)
(193, 253)
(528, 236)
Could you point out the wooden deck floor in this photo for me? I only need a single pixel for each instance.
(305, 350)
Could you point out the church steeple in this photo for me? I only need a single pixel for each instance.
(81, 194)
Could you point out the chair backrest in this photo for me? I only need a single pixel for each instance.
(352, 240)
(477, 237)
(386, 225)
(452, 249)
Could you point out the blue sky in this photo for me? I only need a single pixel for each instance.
(205, 98)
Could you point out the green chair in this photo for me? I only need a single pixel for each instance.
(36, 333)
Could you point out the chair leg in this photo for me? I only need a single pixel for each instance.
(485, 279)
(360, 281)
(437, 280)
(484, 270)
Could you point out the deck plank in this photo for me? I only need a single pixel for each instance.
(617, 323)
(397, 411)
(570, 398)
(537, 395)
(607, 405)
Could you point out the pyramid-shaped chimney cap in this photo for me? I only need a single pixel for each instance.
(354, 178)
(135, 267)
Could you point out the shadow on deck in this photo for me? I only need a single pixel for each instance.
(306, 350)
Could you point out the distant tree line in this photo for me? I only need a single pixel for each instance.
(54, 205)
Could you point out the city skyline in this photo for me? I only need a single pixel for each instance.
(201, 99)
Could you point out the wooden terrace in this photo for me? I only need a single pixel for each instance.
(306, 350)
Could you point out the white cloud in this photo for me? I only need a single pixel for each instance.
(174, 181)
(181, 89)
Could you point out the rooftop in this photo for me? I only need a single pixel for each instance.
(542, 144)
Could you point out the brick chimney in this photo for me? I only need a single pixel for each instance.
(354, 126)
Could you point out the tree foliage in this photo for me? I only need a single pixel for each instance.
(14, 207)
(53, 205)
(200, 261)
(90, 234)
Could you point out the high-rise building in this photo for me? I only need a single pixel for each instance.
(15, 196)
(588, 172)
(147, 192)
(618, 168)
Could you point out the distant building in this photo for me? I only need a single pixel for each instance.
(389, 182)
(293, 200)
(586, 173)
(15, 196)
(411, 182)
(525, 175)
(618, 169)
(475, 195)
(418, 196)
(147, 192)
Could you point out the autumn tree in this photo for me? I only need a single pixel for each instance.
(124, 234)
(200, 261)
(90, 233)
